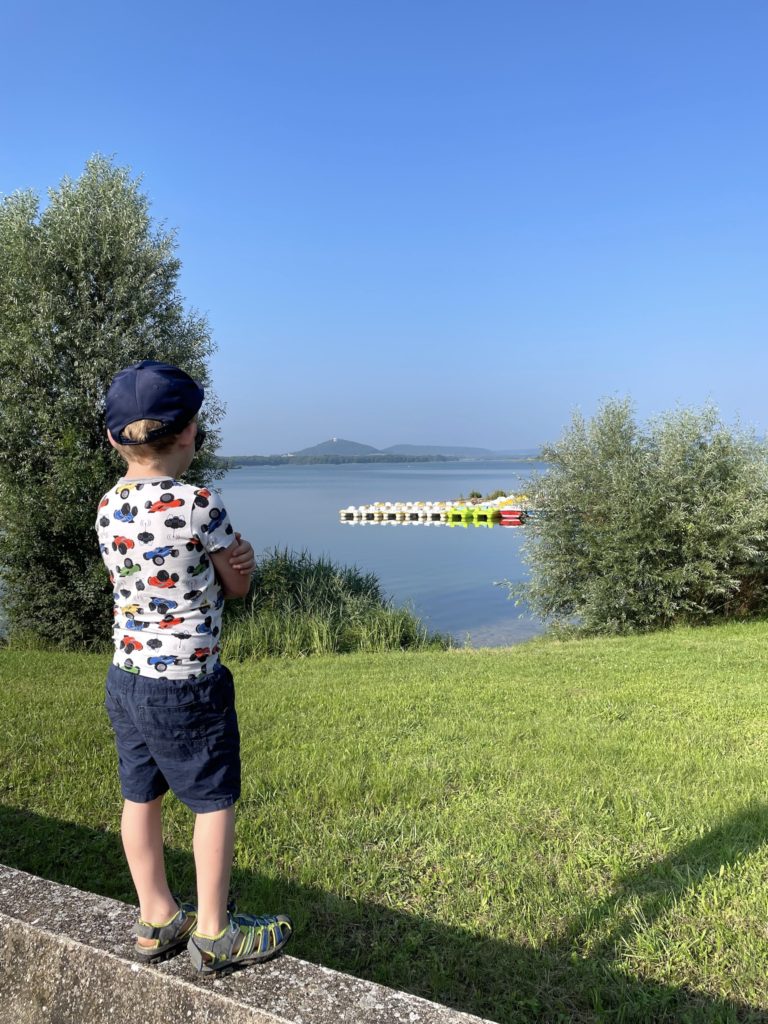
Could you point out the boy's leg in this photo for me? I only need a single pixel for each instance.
(142, 833)
(214, 844)
(218, 940)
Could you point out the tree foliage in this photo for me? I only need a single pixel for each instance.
(88, 284)
(642, 527)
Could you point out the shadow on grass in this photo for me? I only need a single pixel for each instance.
(509, 983)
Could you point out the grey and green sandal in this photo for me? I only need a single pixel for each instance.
(246, 939)
(166, 937)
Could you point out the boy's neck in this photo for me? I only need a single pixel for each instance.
(169, 468)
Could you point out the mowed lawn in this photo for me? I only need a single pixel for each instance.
(555, 832)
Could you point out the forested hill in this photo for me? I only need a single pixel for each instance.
(338, 450)
(337, 446)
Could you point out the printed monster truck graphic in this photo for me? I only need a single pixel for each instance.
(166, 501)
(217, 517)
(159, 555)
(135, 625)
(129, 568)
(126, 513)
(170, 620)
(163, 661)
(164, 579)
(124, 490)
(129, 644)
(202, 565)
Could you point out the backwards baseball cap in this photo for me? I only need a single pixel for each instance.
(152, 391)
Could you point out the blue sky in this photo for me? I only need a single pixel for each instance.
(427, 221)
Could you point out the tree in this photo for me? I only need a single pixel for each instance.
(88, 284)
(641, 527)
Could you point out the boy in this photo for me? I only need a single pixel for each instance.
(173, 558)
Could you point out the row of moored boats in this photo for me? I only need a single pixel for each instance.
(508, 510)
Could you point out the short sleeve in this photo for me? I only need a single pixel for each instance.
(209, 520)
(101, 525)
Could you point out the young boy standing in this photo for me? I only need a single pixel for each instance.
(173, 558)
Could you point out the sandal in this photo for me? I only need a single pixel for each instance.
(246, 939)
(168, 936)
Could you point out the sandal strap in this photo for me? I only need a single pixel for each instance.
(162, 933)
(264, 930)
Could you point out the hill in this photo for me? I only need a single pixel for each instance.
(338, 446)
(438, 449)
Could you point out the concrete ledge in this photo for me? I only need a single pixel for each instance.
(65, 955)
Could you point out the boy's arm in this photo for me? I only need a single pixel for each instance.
(233, 582)
(231, 556)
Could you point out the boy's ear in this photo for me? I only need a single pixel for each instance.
(111, 439)
(187, 435)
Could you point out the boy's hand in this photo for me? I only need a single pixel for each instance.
(242, 557)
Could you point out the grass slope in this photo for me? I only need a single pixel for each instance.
(558, 832)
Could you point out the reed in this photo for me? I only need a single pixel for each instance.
(299, 605)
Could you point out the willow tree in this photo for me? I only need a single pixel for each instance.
(644, 526)
(88, 284)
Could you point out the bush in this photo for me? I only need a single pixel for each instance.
(300, 605)
(643, 527)
(87, 286)
(476, 496)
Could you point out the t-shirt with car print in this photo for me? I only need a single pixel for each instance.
(155, 536)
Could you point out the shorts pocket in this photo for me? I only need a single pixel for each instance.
(180, 731)
(223, 689)
(114, 706)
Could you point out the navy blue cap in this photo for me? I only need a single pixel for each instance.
(152, 391)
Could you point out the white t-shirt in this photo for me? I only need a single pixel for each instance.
(155, 536)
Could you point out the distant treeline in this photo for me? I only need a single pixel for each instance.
(235, 461)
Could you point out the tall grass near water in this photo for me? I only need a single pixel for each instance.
(300, 605)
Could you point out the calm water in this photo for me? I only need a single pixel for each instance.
(446, 574)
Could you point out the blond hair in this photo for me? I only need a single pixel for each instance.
(138, 431)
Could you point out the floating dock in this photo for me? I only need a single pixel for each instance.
(510, 510)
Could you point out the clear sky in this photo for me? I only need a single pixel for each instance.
(424, 220)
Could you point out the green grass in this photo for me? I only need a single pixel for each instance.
(558, 832)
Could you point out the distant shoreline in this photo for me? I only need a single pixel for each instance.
(242, 461)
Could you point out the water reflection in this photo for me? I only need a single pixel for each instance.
(447, 573)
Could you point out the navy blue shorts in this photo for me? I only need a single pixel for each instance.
(177, 735)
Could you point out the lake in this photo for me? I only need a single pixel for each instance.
(446, 574)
